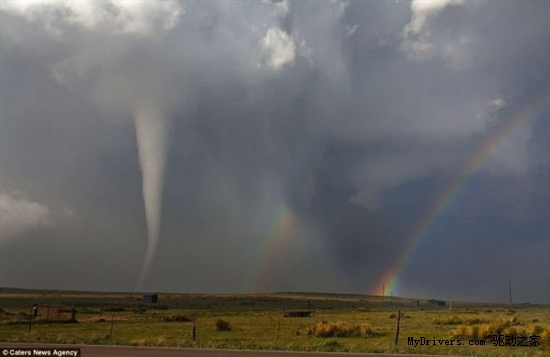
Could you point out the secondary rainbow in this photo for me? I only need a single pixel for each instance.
(391, 278)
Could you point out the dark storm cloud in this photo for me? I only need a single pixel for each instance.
(352, 116)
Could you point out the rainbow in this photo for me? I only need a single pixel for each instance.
(282, 231)
(390, 278)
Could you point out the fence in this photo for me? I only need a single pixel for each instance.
(53, 313)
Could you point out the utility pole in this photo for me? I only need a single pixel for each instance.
(383, 291)
(510, 290)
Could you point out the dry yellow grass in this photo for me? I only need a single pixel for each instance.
(341, 329)
(511, 327)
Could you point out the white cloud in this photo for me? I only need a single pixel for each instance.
(490, 111)
(18, 215)
(423, 11)
(421, 43)
(115, 16)
(497, 103)
(279, 46)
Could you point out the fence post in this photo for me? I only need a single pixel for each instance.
(30, 319)
(112, 323)
(194, 330)
(397, 328)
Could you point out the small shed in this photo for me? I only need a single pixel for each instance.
(150, 299)
(434, 302)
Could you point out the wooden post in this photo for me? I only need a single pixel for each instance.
(383, 291)
(73, 313)
(194, 330)
(30, 319)
(112, 322)
(278, 329)
(510, 290)
(397, 327)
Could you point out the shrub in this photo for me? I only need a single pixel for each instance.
(176, 318)
(459, 332)
(512, 331)
(222, 325)
(340, 329)
(545, 337)
(506, 327)
(477, 321)
(453, 320)
(485, 332)
(473, 331)
(535, 330)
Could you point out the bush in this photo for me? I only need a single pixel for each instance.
(535, 329)
(477, 321)
(506, 327)
(453, 320)
(545, 337)
(459, 332)
(176, 318)
(340, 329)
(222, 325)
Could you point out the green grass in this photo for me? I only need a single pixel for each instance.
(354, 323)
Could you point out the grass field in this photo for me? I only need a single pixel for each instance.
(357, 323)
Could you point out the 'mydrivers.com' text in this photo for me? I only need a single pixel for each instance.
(498, 340)
(422, 341)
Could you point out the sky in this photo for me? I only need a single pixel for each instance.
(364, 147)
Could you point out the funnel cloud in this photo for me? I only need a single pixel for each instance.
(151, 135)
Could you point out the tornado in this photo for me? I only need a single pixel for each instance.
(151, 134)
